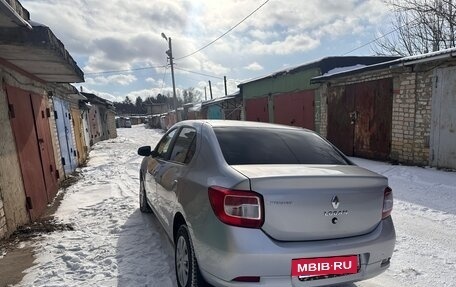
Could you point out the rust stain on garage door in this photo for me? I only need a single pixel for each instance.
(374, 103)
(360, 117)
(340, 127)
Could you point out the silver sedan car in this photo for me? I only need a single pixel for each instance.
(255, 204)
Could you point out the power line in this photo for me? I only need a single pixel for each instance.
(163, 80)
(191, 78)
(382, 36)
(191, 54)
(221, 36)
(198, 73)
(126, 70)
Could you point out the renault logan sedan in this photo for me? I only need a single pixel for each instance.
(254, 204)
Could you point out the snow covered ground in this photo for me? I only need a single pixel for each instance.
(113, 244)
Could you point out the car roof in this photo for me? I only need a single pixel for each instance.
(231, 123)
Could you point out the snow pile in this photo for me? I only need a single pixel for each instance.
(425, 218)
(113, 244)
(339, 70)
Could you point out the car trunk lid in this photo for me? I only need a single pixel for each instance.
(317, 202)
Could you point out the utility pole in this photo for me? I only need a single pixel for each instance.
(224, 80)
(205, 93)
(170, 55)
(210, 89)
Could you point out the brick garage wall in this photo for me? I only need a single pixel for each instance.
(412, 118)
(321, 119)
(111, 122)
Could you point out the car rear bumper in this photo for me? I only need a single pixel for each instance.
(250, 252)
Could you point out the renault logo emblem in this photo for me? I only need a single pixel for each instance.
(335, 202)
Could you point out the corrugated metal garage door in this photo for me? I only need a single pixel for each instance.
(295, 109)
(257, 110)
(359, 118)
(443, 127)
(33, 142)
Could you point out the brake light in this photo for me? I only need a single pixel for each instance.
(237, 207)
(387, 202)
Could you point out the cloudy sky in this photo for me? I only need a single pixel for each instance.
(125, 36)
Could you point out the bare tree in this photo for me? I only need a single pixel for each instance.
(419, 26)
(191, 95)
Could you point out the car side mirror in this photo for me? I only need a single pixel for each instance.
(144, 151)
(147, 151)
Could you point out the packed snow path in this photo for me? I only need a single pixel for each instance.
(113, 244)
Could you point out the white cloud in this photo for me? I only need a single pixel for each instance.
(123, 80)
(254, 67)
(151, 80)
(291, 44)
(155, 82)
(121, 35)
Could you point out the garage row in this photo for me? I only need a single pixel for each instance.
(401, 110)
(46, 125)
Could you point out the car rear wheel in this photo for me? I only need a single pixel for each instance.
(187, 272)
(143, 204)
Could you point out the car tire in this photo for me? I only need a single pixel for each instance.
(186, 265)
(143, 204)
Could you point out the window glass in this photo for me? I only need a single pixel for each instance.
(183, 144)
(191, 151)
(164, 144)
(275, 146)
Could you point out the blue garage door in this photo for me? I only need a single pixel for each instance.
(64, 130)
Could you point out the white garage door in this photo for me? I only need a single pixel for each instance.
(443, 129)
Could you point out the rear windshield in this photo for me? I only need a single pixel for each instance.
(275, 146)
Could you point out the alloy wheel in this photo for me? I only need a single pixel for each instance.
(182, 261)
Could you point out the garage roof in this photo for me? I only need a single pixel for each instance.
(405, 61)
(33, 47)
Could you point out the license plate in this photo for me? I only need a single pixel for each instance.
(311, 267)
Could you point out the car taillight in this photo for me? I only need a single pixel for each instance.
(237, 207)
(387, 202)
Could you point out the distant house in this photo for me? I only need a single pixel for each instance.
(288, 97)
(33, 62)
(156, 108)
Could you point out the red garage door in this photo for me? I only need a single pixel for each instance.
(257, 110)
(43, 132)
(359, 118)
(340, 127)
(295, 109)
(33, 141)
